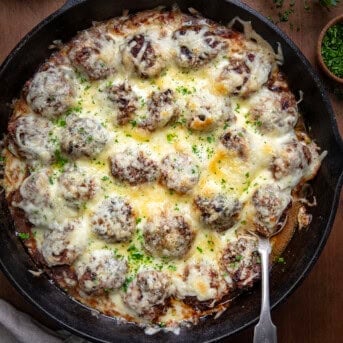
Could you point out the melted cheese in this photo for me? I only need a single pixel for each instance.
(221, 170)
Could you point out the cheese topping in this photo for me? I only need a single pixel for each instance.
(163, 138)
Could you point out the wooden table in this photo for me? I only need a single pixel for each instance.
(313, 313)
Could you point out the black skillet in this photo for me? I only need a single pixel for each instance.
(303, 250)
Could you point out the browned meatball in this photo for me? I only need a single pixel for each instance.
(83, 137)
(206, 112)
(220, 212)
(168, 235)
(241, 262)
(196, 45)
(77, 187)
(274, 107)
(114, 220)
(237, 72)
(270, 202)
(60, 246)
(293, 156)
(51, 91)
(202, 285)
(93, 53)
(246, 70)
(134, 167)
(236, 140)
(101, 271)
(36, 196)
(126, 101)
(142, 54)
(179, 172)
(148, 294)
(34, 138)
(161, 110)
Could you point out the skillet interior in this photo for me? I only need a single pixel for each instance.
(301, 253)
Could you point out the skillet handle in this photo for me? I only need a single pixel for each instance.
(70, 3)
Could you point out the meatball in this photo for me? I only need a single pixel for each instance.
(220, 212)
(133, 167)
(93, 53)
(179, 172)
(236, 140)
(168, 235)
(148, 294)
(161, 110)
(196, 45)
(125, 100)
(83, 137)
(37, 200)
(101, 271)
(274, 108)
(51, 91)
(241, 262)
(207, 112)
(77, 187)
(33, 138)
(246, 72)
(60, 246)
(269, 203)
(142, 54)
(293, 156)
(114, 220)
(202, 284)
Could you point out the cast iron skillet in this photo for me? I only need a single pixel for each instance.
(301, 253)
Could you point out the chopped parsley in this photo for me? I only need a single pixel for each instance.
(61, 122)
(328, 3)
(172, 267)
(23, 235)
(126, 283)
(210, 139)
(76, 109)
(183, 90)
(61, 161)
(171, 137)
(278, 3)
(284, 16)
(195, 149)
(199, 249)
(281, 260)
(332, 49)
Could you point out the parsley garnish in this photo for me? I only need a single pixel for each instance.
(60, 160)
(332, 49)
(23, 235)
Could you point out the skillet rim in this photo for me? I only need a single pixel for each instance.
(333, 125)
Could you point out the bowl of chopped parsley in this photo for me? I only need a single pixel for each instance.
(330, 49)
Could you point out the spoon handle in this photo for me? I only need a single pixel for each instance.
(265, 330)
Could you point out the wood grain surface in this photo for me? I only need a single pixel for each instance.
(313, 314)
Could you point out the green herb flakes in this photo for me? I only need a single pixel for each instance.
(171, 137)
(332, 49)
(23, 235)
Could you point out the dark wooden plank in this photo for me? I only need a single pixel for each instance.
(313, 313)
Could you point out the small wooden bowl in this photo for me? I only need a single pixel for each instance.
(322, 64)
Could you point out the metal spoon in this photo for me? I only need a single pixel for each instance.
(265, 331)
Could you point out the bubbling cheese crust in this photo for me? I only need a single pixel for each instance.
(143, 152)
